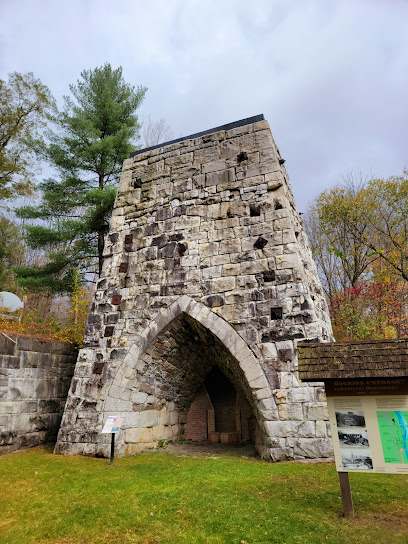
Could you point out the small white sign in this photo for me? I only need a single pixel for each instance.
(112, 424)
(10, 301)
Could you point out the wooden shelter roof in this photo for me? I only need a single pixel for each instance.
(344, 360)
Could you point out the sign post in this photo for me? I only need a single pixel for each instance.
(346, 499)
(112, 426)
(367, 398)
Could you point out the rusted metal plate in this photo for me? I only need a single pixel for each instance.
(116, 299)
(98, 368)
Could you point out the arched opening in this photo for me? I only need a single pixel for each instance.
(165, 369)
(187, 371)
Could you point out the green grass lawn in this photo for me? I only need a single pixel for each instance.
(165, 498)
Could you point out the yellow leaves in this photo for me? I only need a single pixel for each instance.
(390, 332)
(72, 328)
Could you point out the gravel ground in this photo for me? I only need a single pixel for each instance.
(196, 449)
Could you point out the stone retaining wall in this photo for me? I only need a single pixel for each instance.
(34, 380)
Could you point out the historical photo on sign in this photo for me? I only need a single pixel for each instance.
(357, 439)
(356, 459)
(350, 419)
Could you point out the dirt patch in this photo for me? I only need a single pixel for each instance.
(196, 449)
(396, 521)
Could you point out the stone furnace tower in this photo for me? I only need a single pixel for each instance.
(208, 283)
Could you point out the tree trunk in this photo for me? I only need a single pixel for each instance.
(101, 237)
(101, 240)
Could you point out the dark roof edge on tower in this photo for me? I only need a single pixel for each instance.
(228, 126)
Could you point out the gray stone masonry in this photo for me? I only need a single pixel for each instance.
(34, 380)
(206, 263)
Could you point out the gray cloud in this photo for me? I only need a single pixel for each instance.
(329, 75)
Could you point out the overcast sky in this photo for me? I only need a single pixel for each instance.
(330, 76)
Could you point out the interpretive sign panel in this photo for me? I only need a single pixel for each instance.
(112, 424)
(370, 432)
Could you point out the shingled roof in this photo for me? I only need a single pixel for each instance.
(370, 359)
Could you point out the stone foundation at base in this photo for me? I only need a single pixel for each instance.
(206, 264)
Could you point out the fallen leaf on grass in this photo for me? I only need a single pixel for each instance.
(179, 511)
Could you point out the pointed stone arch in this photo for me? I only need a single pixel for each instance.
(262, 401)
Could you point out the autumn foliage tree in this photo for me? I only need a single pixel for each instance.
(369, 310)
(24, 105)
(368, 222)
(359, 237)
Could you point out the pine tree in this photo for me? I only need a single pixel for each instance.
(96, 132)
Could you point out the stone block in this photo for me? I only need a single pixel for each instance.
(267, 403)
(131, 419)
(316, 411)
(116, 405)
(281, 396)
(221, 285)
(208, 249)
(290, 412)
(258, 383)
(286, 380)
(313, 448)
(214, 166)
(142, 435)
(305, 429)
(321, 429)
(253, 373)
(164, 417)
(230, 270)
(300, 394)
(9, 407)
(290, 260)
(273, 429)
(261, 394)
(149, 418)
(229, 246)
(211, 272)
(158, 432)
(268, 350)
(220, 259)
